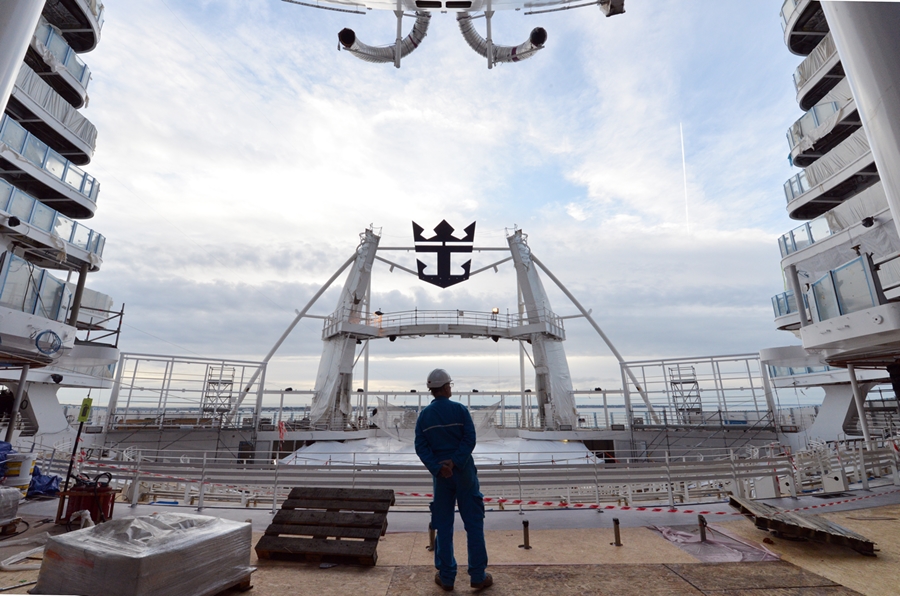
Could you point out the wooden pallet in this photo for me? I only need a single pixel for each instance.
(794, 526)
(242, 585)
(333, 525)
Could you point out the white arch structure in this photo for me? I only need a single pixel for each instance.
(353, 322)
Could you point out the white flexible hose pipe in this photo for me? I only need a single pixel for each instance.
(382, 54)
(535, 42)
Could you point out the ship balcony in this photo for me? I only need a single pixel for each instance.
(35, 168)
(52, 240)
(821, 129)
(416, 323)
(804, 25)
(855, 312)
(845, 171)
(818, 73)
(787, 318)
(50, 55)
(33, 305)
(41, 111)
(80, 21)
(804, 235)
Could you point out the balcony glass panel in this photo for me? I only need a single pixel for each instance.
(88, 188)
(74, 176)
(50, 297)
(20, 286)
(852, 285)
(796, 186)
(58, 47)
(6, 191)
(42, 218)
(64, 227)
(42, 33)
(82, 236)
(826, 299)
(76, 67)
(786, 245)
(13, 135)
(56, 164)
(801, 237)
(97, 244)
(35, 151)
(21, 205)
(818, 229)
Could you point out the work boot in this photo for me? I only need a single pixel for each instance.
(445, 587)
(487, 582)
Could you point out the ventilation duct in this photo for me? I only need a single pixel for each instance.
(383, 54)
(535, 42)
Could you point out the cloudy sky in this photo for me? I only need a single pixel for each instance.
(240, 156)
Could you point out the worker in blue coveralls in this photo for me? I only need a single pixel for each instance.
(445, 438)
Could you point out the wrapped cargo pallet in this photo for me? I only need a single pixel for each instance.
(164, 554)
(9, 504)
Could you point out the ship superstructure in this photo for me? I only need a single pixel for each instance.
(55, 332)
(841, 267)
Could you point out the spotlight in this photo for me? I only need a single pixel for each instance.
(13, 221)
(360, 390)
(868, 222)
(358, 341)
(474, 390)
(289, 389)
(412, 391)
(528, 391)
(496, 338)
(57, 378)
(495, 311)
(598, 389)
(378, 312)
(392, 337)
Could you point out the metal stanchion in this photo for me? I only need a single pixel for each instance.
(526, 546)
(618, 536)
(430, 546)
(702, 521)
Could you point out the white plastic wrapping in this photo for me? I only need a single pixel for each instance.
(9, 503)
(29, 83)
(816, 59)
(850, 149)
(164, 554)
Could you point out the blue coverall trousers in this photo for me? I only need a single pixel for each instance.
(462, 488)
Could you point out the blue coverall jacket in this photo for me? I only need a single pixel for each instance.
(445, 431)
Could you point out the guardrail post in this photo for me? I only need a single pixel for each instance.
(669, 482)
(136, 484)
(521, 498)
(527, 545)
(616, 534)
(859, 457)
(202, 484)
(892, 446)
(702, 521)
(738, 487)
(275, 490)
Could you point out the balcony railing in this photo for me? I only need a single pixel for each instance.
(39, 154)
(32, 290)
(785, 304)
(847, 289)
(31, 211)
(790, 371)
(813, 119)
(59, 47)
(796, 186)
(488, 320)
(787, 9)
(32, 85)
(805, 235)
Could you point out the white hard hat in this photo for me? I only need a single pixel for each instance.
(438, 378)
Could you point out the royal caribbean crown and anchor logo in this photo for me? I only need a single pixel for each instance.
(444, 243)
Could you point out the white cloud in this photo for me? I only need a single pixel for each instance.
(240, 156)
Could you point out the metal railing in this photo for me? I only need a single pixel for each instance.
(486, 320)
(35, 213)
(804, 235)
(59, 47)
(39, 154)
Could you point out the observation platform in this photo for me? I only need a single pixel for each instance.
(463, 323)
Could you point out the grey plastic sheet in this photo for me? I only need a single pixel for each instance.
(164, 554)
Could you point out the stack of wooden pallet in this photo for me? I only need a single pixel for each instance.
(336, 525)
